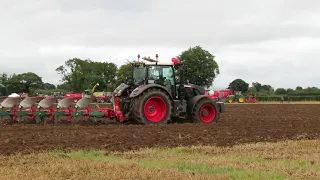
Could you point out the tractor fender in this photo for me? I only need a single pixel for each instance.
(137, 91)
(192, 102)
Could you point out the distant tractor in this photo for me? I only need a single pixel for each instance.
(100, 97)
(236, 97)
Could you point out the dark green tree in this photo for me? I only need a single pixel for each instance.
(25, 82)
(239, 85)
(4, 84)
(105, 75)
(64, 86)
(289, 90)
(267, 88)
(125, 71)
(48, 86)
(280, 91)
(81, 74)
(257, 86)
(202, 67)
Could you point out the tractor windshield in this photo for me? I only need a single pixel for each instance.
(162, 75)
(139, 74)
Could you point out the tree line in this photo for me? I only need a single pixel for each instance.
(78, 74)
(267, 92)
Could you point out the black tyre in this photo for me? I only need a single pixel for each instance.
(152, 107)
(205, 111)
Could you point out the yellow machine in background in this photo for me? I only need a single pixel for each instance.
(100, 96)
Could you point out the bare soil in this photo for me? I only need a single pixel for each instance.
(239, 124)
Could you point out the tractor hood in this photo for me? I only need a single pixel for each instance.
(119, 90)
(199, 88)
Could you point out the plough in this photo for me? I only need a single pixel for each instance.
(45, 112)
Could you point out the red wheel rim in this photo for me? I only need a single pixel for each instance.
(155, 109)
(207, 113)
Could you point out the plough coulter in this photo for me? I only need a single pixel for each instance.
(157, 93)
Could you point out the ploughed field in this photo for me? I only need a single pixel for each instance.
(241, 123)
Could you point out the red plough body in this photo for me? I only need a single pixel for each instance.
(251, 99)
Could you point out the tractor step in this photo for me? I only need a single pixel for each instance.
(221, 106)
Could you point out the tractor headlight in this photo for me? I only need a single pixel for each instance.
(119, 92)
(137, 64)
(20, 106)
(38, 107)
(58, 107)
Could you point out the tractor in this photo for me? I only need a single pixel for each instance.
(236, 97)
(157, 93)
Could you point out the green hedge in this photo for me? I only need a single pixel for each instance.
(293, 98)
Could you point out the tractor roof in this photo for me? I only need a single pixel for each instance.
(153, 63)
(159, 63)
(149, 61)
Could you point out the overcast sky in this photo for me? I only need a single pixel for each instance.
(273, 42)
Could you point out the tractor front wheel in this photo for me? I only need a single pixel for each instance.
(152, 107)
(205, 111)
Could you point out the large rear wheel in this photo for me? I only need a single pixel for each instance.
(152, 107)
(205, 111)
